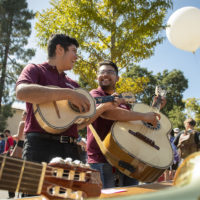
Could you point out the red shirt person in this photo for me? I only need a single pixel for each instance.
(9, 142)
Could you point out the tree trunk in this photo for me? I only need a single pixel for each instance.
(5, 58)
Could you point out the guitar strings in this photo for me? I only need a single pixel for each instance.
(30, 168)
(28, 186)
(51, 171)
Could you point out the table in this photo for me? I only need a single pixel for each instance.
(122, 191)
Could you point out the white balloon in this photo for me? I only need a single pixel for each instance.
(183, 28)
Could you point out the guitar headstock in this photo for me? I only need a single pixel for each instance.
(157, 101)
(60, 179)
(160, 91)
(128, 97)
(71, 179)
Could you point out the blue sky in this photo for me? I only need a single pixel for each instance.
(166, 55)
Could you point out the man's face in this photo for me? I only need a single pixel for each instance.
(69, 57)
(187, 125)
(7, 134)
(107, 77)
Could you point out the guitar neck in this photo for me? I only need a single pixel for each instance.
(33, 178)
(19, 175)
(104, 99)
(157, 104)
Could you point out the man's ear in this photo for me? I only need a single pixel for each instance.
(59, 49)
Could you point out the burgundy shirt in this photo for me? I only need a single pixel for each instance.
(102, 127)
(44, 74)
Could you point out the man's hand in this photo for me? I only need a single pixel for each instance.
(80, 101)
(151, 117)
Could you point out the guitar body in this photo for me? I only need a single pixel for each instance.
(56, 117)
(145, 152)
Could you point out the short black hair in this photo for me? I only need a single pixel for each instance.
(108, 62)
(2, 135)
(191, 122)
(6, 130)
(64, 40)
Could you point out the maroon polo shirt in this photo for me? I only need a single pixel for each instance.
(102, 127)
(44, 74)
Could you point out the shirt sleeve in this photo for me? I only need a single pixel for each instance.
(30, 74)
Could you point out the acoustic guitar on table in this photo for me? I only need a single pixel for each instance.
(57, 180)
(138, 149)
(55, 117)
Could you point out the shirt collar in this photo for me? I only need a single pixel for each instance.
(53, 68)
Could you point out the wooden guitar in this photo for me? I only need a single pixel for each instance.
(55, 117)
(185, 185)
(56, 180)
(142, 151)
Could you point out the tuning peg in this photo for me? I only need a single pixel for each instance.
(68, 160)
(86, 165)
(57, 160)
(77, 162)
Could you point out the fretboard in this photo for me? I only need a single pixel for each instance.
(19, 175)
(105, 99)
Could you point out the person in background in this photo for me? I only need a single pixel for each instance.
(9, 142)
(188, 140)
(2, 143)
(19, 137)
(8, 150)
(107, 77)
(170, 172)
(82, 144)
(176, 131)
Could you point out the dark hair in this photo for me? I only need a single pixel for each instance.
(6, 130)
(108, 62)
(191, 122)
(64, 40)
(2, 135)
(24, 112)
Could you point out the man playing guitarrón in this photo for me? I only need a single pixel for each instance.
(107, 77)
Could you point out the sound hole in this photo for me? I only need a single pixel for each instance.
(149, 125)
(73, 107)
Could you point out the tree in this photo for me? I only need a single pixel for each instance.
(174, 82)
(177, 117)
(15, 28)
(148, 88)
(121, 31)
